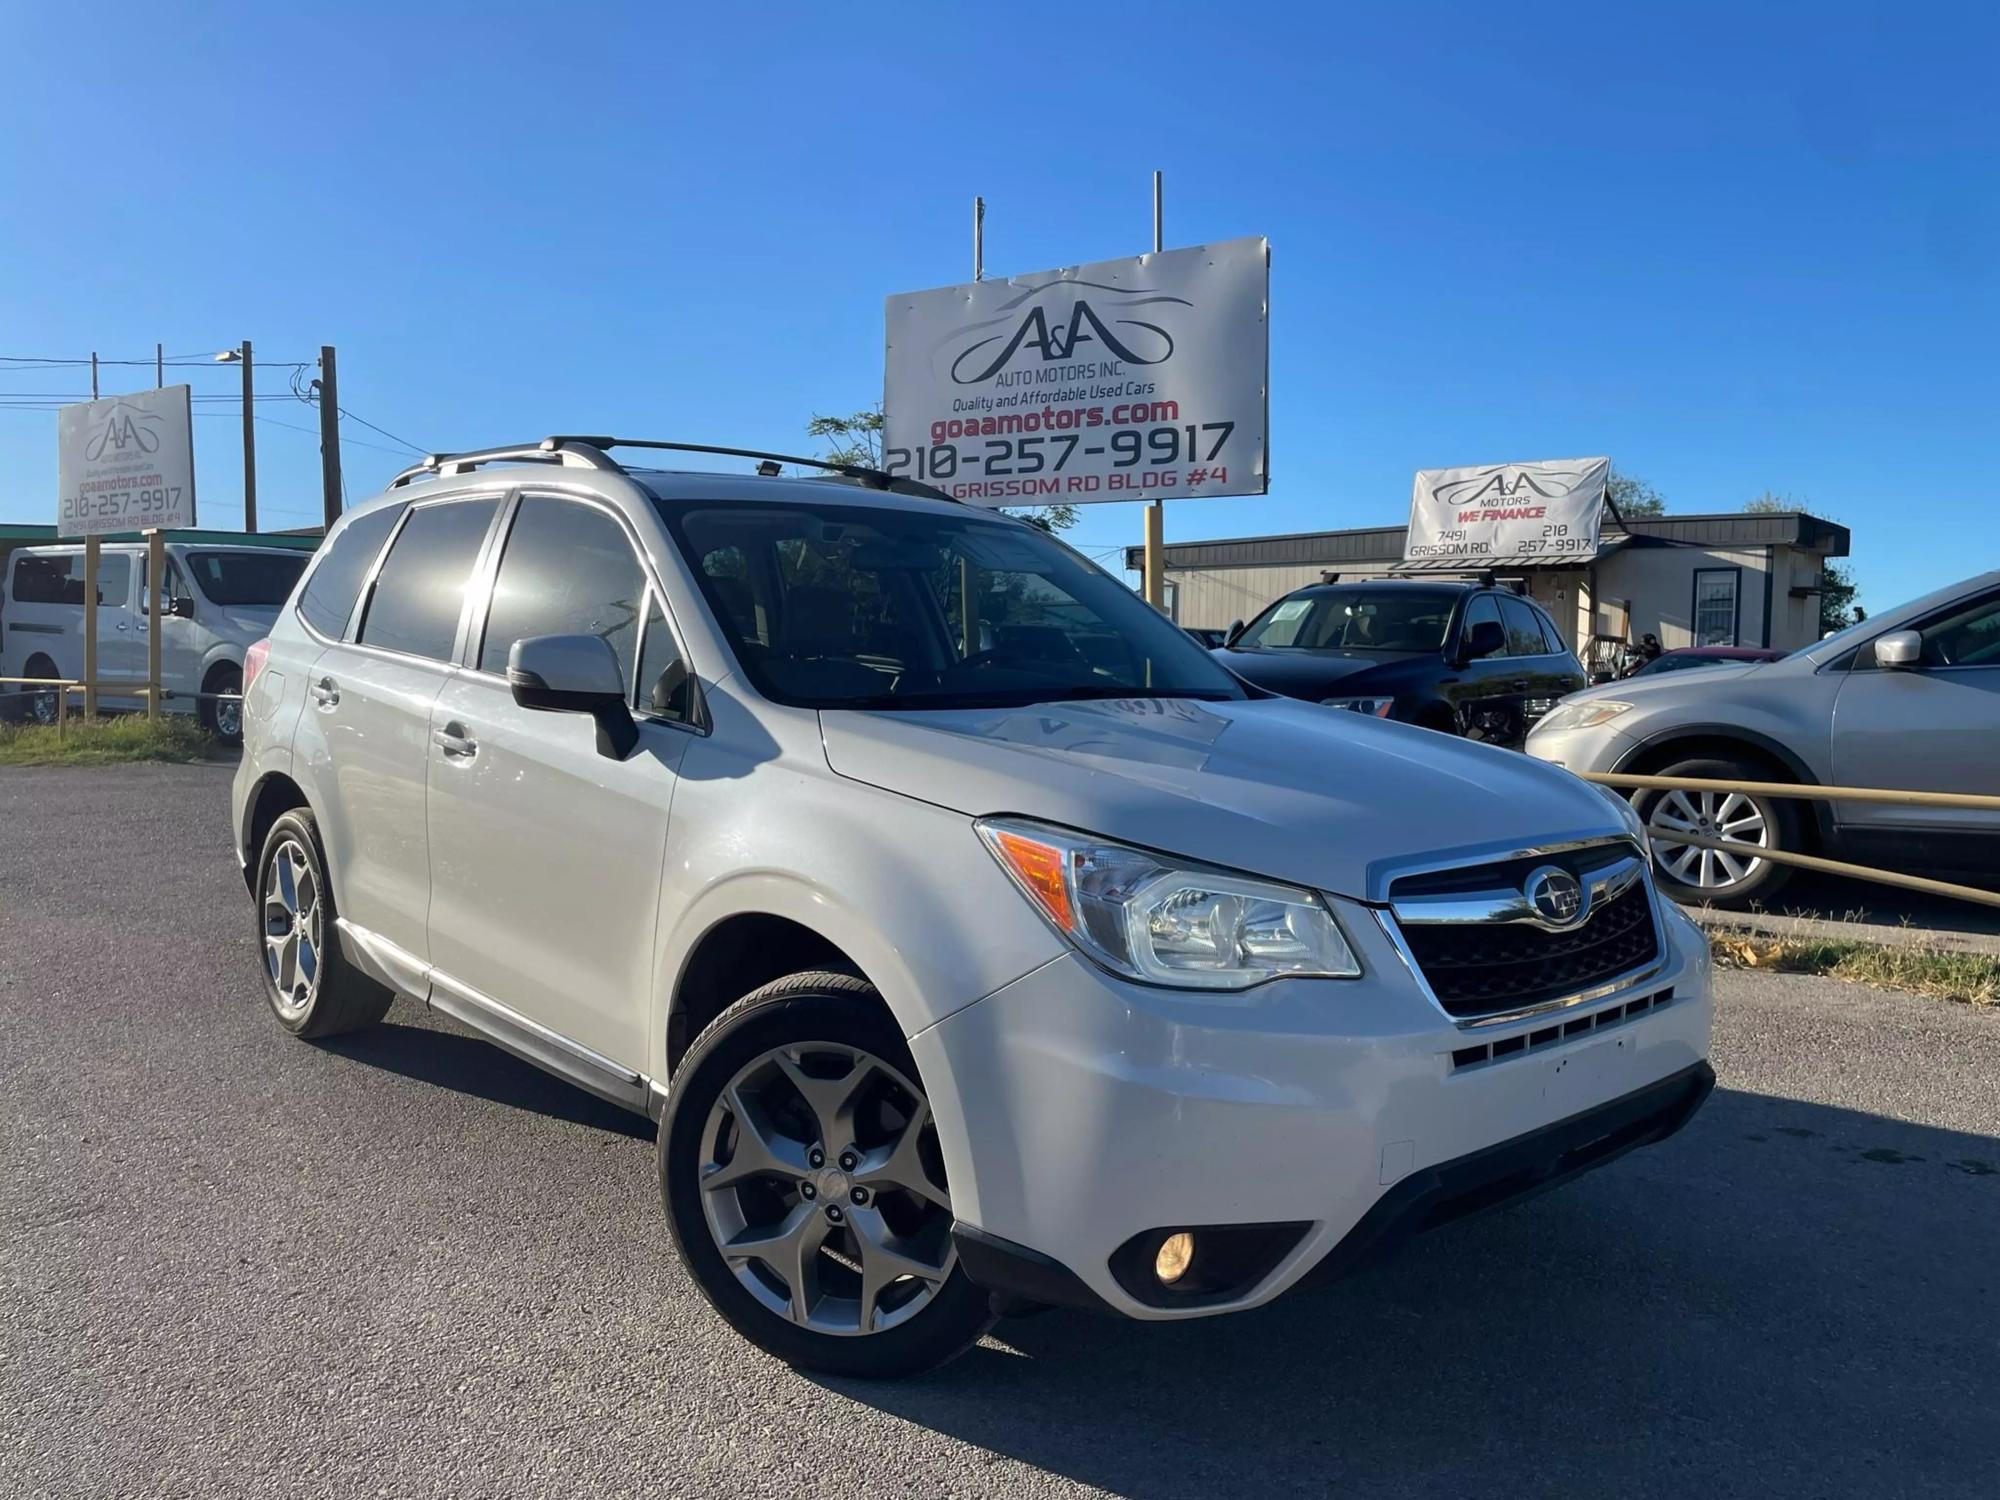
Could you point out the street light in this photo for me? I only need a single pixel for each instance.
(241, 356)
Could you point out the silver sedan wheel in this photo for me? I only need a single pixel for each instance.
(1728, 817)
(823, 1189)
(292, 927)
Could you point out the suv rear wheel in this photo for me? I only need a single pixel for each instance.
(1734, 877)
(312, 989)
(800, 1168)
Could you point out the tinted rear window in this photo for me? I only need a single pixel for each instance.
(336, 583)
(421, 589)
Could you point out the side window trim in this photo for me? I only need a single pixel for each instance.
(353, 620)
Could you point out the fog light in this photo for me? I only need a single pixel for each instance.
(1176, 1255)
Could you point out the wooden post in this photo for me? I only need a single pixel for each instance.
(92, 547)
(156, 615)
(1154, 576)
(249, 448)
(329, 437)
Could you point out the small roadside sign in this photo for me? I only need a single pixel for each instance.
(126, 463)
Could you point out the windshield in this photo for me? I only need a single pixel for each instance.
(253, 578)
(1354, 619)
(836, 606)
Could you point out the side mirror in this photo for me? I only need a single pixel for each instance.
(1235, 629)
(1484, 639)
(1902, 649)
(575, 674)
(181, 606)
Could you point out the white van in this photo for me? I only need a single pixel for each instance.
(220, 599)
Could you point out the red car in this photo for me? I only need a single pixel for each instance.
(1705, 656)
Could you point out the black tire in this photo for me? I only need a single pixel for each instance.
(1781, 831)
(800, 1011)
(337, 997)
(226, 724)
(39, 706)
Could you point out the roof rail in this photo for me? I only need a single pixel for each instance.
(589, 452)
(577, 455)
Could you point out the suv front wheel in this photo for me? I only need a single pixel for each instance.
(803, 1184)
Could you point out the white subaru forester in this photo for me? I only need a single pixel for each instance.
(977, 941)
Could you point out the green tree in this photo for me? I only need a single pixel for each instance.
(857, 439)
(1633, 496)
(1838, 597)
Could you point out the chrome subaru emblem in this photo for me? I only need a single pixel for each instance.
(1556, 896)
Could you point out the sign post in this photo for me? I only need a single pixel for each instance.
(1507, 515)
(125, 463)
(156, 614)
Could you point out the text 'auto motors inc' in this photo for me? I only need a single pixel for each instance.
(1734, 579)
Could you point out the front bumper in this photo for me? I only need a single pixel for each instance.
(1078, 1113)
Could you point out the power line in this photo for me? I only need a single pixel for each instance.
(420, 452)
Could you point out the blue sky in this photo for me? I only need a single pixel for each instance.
(1738, 248)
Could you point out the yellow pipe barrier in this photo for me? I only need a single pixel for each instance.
(1793, 789)
(1834, 867)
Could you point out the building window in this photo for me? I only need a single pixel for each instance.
(1715, 605)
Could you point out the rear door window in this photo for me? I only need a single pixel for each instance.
(329, 595)
(1523, 627)
(419, 594)
(59, 580)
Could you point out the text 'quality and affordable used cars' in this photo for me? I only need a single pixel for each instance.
(1463, 657)
(1907, 700)
(976, 940)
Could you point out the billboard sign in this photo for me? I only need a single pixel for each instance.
(1507, 514)
(1137, 379)
(126, 462)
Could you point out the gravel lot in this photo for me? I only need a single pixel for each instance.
(235, 1264)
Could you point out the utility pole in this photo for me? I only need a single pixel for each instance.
(1154, 575)
(93, 374)
(249, 447)
(159, 367)
(329, 435)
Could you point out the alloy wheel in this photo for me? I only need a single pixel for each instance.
(1728, 817)
(42, 707)
(292, 938)
(823, 1189)
(228, 718)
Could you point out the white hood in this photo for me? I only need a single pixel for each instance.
(1317, 796)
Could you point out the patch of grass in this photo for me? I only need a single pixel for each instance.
(1919, 968)
(110, 741)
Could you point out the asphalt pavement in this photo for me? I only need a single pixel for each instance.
(405, 1264)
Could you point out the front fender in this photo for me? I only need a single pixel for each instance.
(906, 890)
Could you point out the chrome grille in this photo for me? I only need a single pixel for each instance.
(1485, 949)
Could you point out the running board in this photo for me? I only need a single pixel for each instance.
(512, 1032)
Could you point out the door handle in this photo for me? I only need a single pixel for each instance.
(1520, 684)
(123, 626)
(325, 692)
(453, 740)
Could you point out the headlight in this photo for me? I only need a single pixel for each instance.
(1376, 708)
(1585, 715)
(1164, 922)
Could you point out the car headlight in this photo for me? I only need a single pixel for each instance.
(1375, 708)
(1585, 715)
(1166, 922)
